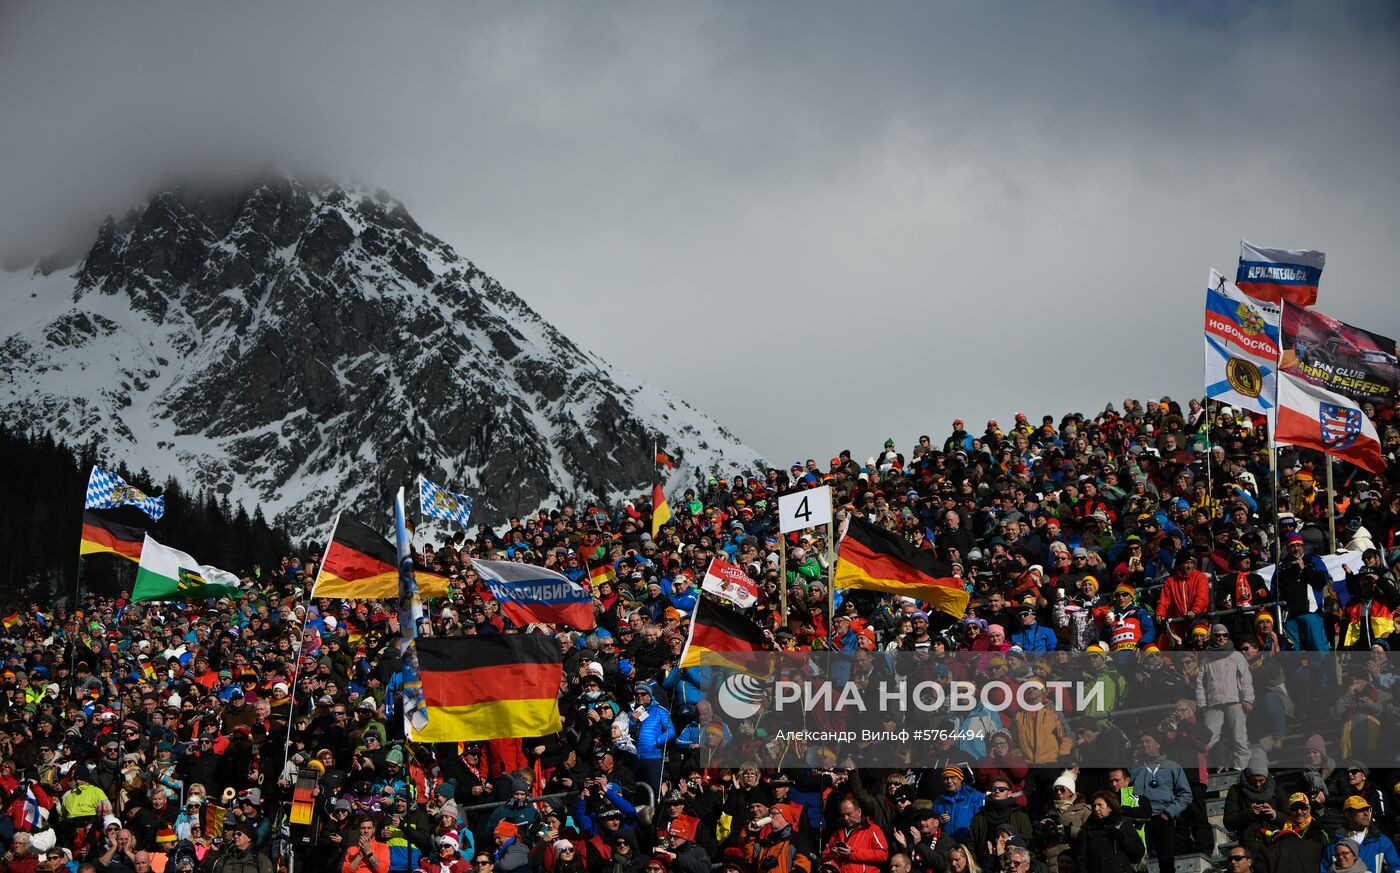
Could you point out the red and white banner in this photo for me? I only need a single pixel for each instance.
(728, 581)
(1315, 418)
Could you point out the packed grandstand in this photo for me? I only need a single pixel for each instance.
(1235, 615)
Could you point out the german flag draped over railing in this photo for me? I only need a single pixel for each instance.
(486, 688)
(360, 563)
(721, 637)
(104, 536)
(875, 559)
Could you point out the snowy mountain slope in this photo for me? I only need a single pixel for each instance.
(305, 346)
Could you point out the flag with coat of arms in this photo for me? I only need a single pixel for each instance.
(438, 502)
(107, 490)
(1242, 347)
(1315, 418)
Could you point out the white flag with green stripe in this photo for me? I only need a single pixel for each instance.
(170, 574)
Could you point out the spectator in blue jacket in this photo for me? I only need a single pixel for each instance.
(688, 684)
(1162, 783)
(1373, 848)
(654, 731)
(958, 803)
(1033, 638)
(684, 595)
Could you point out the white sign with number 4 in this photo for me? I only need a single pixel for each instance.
(804, 509)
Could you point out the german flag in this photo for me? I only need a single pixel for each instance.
(665, 459)
(601, 573)
(660, 510)
(875, 559)
(721, 637)
(102, 535)
(487, 688)
(360, 563)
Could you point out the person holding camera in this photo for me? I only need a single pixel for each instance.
(1065, 818)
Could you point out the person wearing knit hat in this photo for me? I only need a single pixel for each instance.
(1376, 851)
(1344, 856)
(1069, 812)
(447, 850)
(505, 830)
(511, 852)
(957, 805)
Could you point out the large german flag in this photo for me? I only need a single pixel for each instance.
(486, 688)
(102, 535)
(876, 559)
(721, 637)
(360, 563)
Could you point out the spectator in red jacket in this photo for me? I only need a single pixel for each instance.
(1185, 595)
(858, 845)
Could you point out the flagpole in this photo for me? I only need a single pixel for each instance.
(73, 641)
(1271, 422)
(412, 705)
(1210, 479)
(831, 566)
(1331, 508)
(300, 644)
(782, 576)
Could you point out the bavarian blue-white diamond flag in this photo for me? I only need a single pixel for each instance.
(1242, 337)
(438, 502)
(106, 490)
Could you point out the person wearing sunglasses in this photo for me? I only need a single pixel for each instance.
(1300, 844)
(1346, 857)
(957, 805)
(1228, 688)
(1107, 842)
(1373, 849)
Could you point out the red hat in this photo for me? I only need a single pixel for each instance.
(991, 422)
(506, 829)
(957, 422)
(684, 826)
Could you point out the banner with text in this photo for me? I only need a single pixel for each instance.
(1340, 357)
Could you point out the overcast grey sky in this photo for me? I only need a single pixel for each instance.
(823, 224)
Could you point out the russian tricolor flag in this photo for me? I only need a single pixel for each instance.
(534, 595)
(1275, 275)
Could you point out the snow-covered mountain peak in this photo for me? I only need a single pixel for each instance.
(306, 346)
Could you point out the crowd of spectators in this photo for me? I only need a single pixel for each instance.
(187, 737)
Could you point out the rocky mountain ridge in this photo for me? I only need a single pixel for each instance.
(306, 346)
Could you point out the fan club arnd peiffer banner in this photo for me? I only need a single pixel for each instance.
(1332, 354)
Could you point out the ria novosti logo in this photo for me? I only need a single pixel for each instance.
(742, 696)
